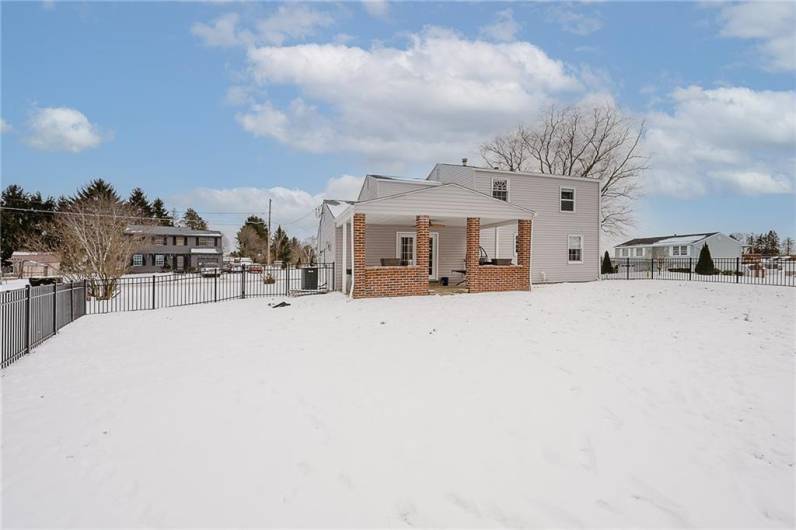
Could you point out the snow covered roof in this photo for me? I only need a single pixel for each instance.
(674, 239)
(337, 207)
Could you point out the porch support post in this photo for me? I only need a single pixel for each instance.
(524, 247)
(344, 267)
(472, 251)
(421, 242)
(358, 274)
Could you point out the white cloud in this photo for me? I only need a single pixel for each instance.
(62, 129)
(503, 29)
(292, 21)
(770, 23)
(431, 100)
(377, 8)
(222, 32)
(293, 208)
(5, 126)
(574, 19)
(725, 139)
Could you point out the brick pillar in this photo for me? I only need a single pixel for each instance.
(421, 242)
(473, 251)
(360, 278)
(524, 248)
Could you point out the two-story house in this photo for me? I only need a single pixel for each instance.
(173, 248)
(484, 228)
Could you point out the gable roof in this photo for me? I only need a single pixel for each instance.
(336, 206)
(158, 230)
(686, 239)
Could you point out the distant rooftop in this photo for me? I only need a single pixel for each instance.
(158, 230)
(668, 240)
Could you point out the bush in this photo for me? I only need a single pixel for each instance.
(705, 264)
(685, 270)
(730, 273)
(606, 267)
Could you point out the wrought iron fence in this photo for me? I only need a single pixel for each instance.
(31, 315)
(137, 293)
(759, 271)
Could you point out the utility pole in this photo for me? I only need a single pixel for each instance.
(268, 256)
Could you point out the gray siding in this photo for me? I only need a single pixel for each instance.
(170, 252)
(551, 226)
(720, 246)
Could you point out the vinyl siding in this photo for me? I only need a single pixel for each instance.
(380, 243)
(720, 246)
(551, 227)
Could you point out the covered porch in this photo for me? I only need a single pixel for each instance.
(411, 243)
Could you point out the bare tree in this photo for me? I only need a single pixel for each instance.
(94, 244)
(599, 144)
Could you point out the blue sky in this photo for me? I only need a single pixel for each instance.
(220, 106)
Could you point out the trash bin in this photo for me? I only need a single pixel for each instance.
(444, 281)
(309, 279)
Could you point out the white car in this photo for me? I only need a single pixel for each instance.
(209, 272)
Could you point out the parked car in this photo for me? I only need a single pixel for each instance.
(255, 267)
(210, 272)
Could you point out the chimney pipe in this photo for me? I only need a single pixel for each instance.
(464, 161)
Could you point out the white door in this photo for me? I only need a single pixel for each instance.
(405, 250)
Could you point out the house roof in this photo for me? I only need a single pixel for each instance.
(336, 207)
(158, 230)
(672, 239)
(517, 173)
(451, 202)
(403, 179)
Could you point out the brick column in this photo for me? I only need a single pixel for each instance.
(524, 247)
(360, 278)
(421, 242)
(473, 251)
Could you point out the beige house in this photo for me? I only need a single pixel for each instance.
(35, 264)
(463, 226)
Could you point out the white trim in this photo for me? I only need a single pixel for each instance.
(353, 259)
(582, 244)
(344, 267)
(398, 236)
(574, 199)
(434, 249)
(508, 188)
(497, 242)
(138, 264)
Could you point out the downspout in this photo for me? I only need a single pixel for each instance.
(353, 259)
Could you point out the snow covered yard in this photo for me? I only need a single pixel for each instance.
(641, 403)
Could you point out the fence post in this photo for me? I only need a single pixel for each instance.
(627, 269)
(737, 268)
(334, 277)
(215, 286)
(153, 291)
(72, 302)
(27, 318)
(689, 267)
(287, 280)
(652, 268)
(243, 281)
(55, 308)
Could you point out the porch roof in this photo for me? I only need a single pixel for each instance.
(450, 203)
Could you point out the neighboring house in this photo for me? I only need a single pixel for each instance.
(488, 229)
(34, 264)
(680, 246)
(171, 248)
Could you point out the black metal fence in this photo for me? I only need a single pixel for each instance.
(31, 315)
(762, 271)
(137, 293)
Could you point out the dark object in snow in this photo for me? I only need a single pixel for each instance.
(280, 304)
(607, 267)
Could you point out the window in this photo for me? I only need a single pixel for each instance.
(625, 252)
(405, 247)
(160, 260)
(138, 260)
(575, 249)
(179, 241)
(159, 240)
(567, 199)
(680, 250)
(205, 242)
(500, 189)
(639, 252)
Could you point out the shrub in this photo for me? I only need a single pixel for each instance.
(607, 267)
(731, 273)
(685, 270)
(705, 264)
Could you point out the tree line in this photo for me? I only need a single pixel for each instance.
(32, 222)
(767, 244)
(254, 242)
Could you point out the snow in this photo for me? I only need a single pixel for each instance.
(10, 285)
(682, 240)
(644, 404)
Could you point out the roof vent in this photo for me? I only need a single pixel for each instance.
(464, 161)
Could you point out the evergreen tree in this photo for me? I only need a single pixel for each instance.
(705, 263)
(139, 203)
(95, 190)
(251, 243)
(193, 220)
(607, 267)
(772, 243)
(258, 224)
(159, 212)
(25, 230)
(281, 247)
